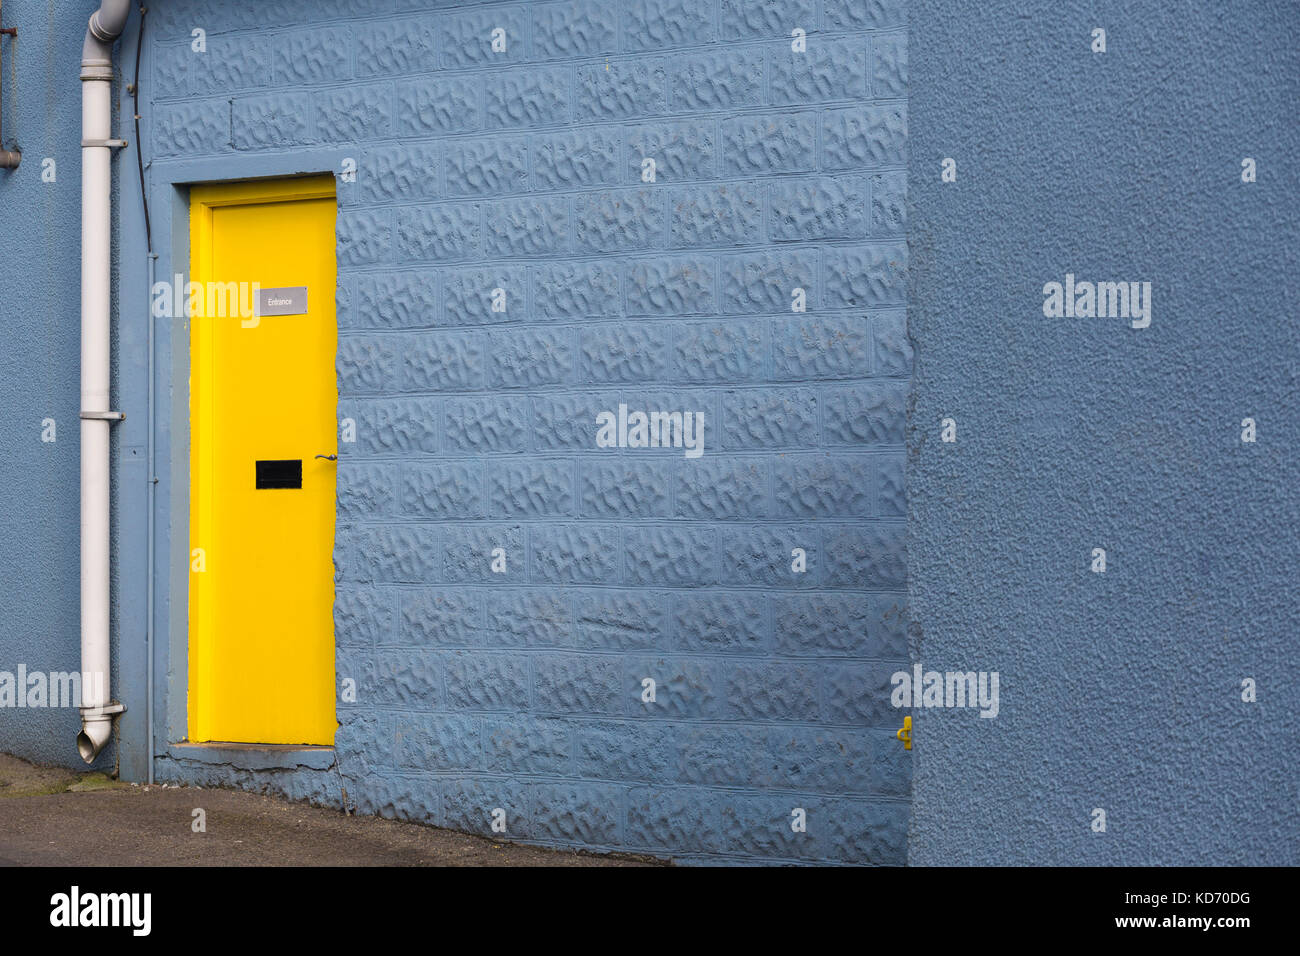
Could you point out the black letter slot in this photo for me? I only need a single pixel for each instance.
(280, 474)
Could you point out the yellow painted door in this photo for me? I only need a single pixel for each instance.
(262, 408)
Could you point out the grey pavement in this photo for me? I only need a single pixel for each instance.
(57, 817)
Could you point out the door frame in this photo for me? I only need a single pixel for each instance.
(167, 185)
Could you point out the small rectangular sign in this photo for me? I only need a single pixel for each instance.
(291, 300)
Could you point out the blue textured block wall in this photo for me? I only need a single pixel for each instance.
(518, 174)
(1121, 691)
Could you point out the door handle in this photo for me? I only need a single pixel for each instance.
(329, 457)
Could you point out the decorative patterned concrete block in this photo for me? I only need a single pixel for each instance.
(305, 57)
(469, 805)
(725, 756)
(655, 24)
(366, 490)
(526, 745)
(487, 425)
(364, 236)
(670, 555)
(767, 691)
(684, 688)
(445, 232)
(442, 361)
(568, 421)
(769, 143)
(352, 114)
(483, 38)
(751, 556)
(668, 820)
(722, 488)
(575, 159)
(364, 616)
(835, 625)
(472, 552)
(617, 220)
(624, 489)
(444, 489)
(365, 363)
(528, 96)
(752, 19)
(397, 300)
(864, 136)
(396, 46)
(526, 358)
(527, 226)
(272, 121)
(479, 682)
(470, 296)
(620, 620)
(623, 751)
(530, 618)
(892, 500)
(859, 694)
(825, 486)
(766, 282)
(866, 556)
(398, 553)
(868, 276)
(578, 813)
(574, 29)
(821, 208)
(889, 204)
(865, 14)
(405, 678)
(889, 65)
(486, 167)
(188, 129)
(865, 414)
(620, 90)
(439, 616)
(585, 684)
(679, 150)
(391, 426)
(769, 418)
(714, 81)
(727, 622)
(429, 106)
(730, 214)
(625, 353)
(827, 70)
(438, 742)
(575, 554)
(676, 286)
(531, 488)
(576, 289)
(398, 174)
(718, 351)
(821, 347)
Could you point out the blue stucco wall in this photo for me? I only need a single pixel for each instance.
(40, 362)
(477, 429)
(1119, 691)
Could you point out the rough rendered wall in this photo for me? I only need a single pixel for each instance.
(1120, 691)
(522, 171)
(40, 362)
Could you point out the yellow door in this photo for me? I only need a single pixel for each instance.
(262, 408)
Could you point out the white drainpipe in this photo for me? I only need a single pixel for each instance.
(98, 707)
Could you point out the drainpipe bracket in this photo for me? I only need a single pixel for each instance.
(110, 143)
(104, 416)
(112, 707)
